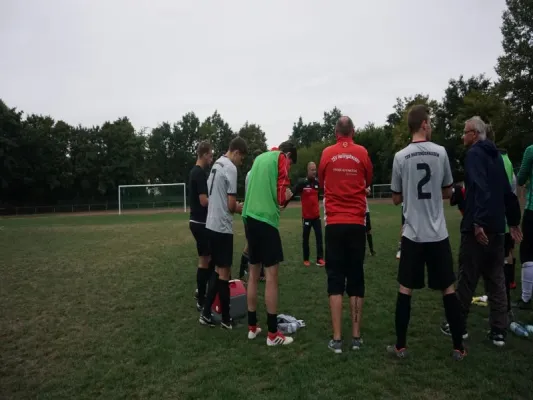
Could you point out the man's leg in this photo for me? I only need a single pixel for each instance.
(410, 276)
(251, 298)
(355, 279)
(526, 258)
(335, 260)
(369, 234)
(493, 275)
(305, 240)
(469, 272)
(508, 269)
(317, 227)
(244, 262)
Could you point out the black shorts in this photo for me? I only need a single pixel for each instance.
(201, 236)
(403, 218)
(264, 243)
(368, 223)
(436, 256)
(221, 245)
(526, 246)
(345, 257)
(508, 244)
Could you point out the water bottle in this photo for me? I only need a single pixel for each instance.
(518, 330)
(529, 329)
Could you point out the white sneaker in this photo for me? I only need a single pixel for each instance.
(398, 254)
(253, 334)
(278, 339)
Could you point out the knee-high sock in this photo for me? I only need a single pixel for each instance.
(527, 280)
(452, 308)
(202, 277)
(212, 291)
(403, 314)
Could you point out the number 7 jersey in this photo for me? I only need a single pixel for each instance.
(420, 171)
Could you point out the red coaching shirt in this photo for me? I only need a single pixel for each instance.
(345, 172)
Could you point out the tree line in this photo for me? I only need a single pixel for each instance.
(47, 162)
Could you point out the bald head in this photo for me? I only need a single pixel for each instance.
(311, 170)
(345, 126)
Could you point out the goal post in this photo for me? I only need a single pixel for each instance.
(152, 196)
(380, 191)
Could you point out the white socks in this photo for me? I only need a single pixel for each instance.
(527, 281)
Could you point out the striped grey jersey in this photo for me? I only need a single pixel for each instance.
(420, 171)
(222, 182)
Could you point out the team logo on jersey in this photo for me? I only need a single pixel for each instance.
(344, 144)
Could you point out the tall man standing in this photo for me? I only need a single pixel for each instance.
(310, 197)
(222, 186)
(345, 171)
(198, 201)
(268, 189)
(421, 178)
(525, 175)
(489, 201)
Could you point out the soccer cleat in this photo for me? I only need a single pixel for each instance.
(445, 329)
(498, 339)
(278, 339)
(207, 321)
(227, 325)
(522, 305)
(321, 263)
(400, 353)
(357, 343)
(196, 294)
(307, 263)
(199, 307)
(398, 254)
(458, 355)
(253, 331)
(335, 346)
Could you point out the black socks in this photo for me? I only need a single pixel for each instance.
(202, 277)
(370, 242)
(244, 265)
(212, 291)
(452, 308)
(272, 321)
(252, 318)
(224, 295)
(403, 314)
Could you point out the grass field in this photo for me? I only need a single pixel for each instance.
(102, 307)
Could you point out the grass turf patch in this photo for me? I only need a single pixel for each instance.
(102, 307)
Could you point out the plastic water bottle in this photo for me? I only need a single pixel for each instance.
(529, 329)
(518, 330)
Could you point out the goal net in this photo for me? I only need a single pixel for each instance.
(152, 196)
(381, 191)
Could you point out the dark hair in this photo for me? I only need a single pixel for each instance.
(203, 148)
(416, 117)
(256, 154)
(238, 144)
(344, 126)
(289, 147)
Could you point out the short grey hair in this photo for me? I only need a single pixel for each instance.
(479, 126)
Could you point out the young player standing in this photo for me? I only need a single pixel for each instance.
(421, 178)
(310, 192)
(222, 186)
(268, 189)
(198, 201)
(345, 171)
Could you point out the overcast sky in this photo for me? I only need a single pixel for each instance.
(268, 62)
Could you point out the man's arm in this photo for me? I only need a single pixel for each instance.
(283, 178)
(231, 176)
(513, 213)
(322, 169)
(525, 169)
(296, 190)
(201, 186)
(447, 179)
(475, 169)
(396, 182)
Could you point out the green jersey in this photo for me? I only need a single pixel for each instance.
(526, 174)
(261, 200)
(508, 165)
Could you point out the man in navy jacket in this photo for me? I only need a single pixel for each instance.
(489, 202)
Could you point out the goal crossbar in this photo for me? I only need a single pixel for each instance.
(120, 187)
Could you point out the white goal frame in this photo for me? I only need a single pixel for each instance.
(379, 185)
(147, 185)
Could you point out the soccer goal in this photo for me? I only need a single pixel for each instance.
(381, 191)
(152, 196)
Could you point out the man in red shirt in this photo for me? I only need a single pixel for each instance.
(345, 172)
(309, 191)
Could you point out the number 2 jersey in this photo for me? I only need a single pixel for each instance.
(222, 182)
(420, 171)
